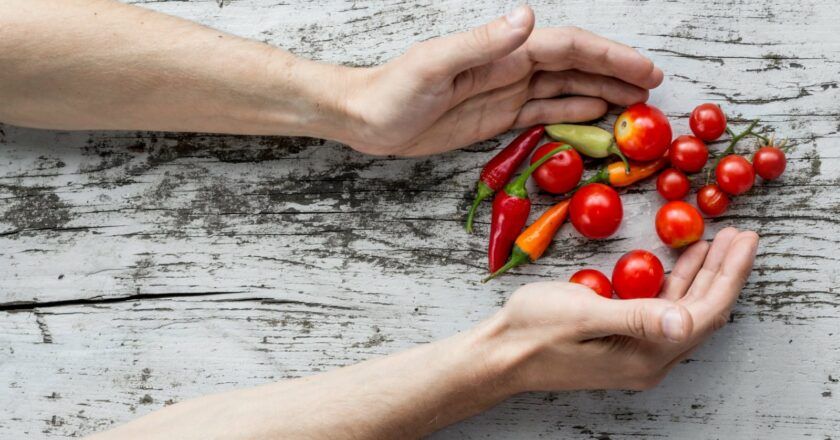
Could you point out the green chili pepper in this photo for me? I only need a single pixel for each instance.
(588, 140)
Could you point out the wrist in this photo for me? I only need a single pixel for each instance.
(309, 98)
(499, 355)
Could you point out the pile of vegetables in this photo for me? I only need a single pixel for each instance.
(643, 144)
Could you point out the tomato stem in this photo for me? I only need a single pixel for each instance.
(785, 146)
(734, 141)
(764, 139)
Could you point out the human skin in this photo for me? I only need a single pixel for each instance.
(99, 64)
(549, 336)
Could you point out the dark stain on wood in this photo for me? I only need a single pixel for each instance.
(34, 209)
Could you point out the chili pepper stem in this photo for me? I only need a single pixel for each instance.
(601, 176)
(517, 257)
(615, 150)
(517, 187)
(482, 192)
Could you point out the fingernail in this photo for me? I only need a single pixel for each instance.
(672, 325)
(518, 18)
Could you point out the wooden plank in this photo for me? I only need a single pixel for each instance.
(144, 268)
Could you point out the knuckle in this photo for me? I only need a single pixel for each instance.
(575, 36)
(573, 30)
(636, 322)
(526, 117)
(418, 56)
(480, 38)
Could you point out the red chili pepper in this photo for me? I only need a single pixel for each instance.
(532, 243)
(510, 212)
(497, 172)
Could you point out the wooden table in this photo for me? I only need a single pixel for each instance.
(141, 269)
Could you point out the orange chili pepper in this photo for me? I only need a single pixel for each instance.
(616, 175)
(534, 240)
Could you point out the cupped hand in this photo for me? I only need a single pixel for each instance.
(579, 340)
(449, 92)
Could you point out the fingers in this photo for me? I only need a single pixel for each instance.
(687, 267)
(655, 320)
(573, 82)
(566, 48)
(551, 111)
(447, 56)
(711, 310)
(714, 258)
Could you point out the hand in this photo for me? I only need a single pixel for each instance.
(449, 92)
(576, 339)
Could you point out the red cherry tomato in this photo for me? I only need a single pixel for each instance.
(642, 132)
(594, 280)
(561, 173)
(707, 122)
(712, 201)
(672, 184)
(734, 174)
(679, 224)
(595, 210)
(769, 162)
(638, 274)
(688, 153)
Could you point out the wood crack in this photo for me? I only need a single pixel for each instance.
(13, 306)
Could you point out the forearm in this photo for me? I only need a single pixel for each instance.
(401, 396)
(99, 64)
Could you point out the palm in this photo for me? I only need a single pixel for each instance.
(621, 344)
(422, 104)
(706, 281)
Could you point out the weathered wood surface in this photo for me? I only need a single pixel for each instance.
(140, 269)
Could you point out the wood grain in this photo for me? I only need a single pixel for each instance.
(141, 269)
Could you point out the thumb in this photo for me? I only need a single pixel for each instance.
(655, 320)
(455, 53)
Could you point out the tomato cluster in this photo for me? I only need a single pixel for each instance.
(680, 224)
(643, 132)
(643, 138)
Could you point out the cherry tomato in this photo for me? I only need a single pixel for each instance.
(638, 274)
(712, 201)
(595, 210)
(734, 174)
(561, 173)
(679, 224)
(594, 280)
(707, 122)
(688, 153)
(672, 184)
(769, 162)
(642, 132)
